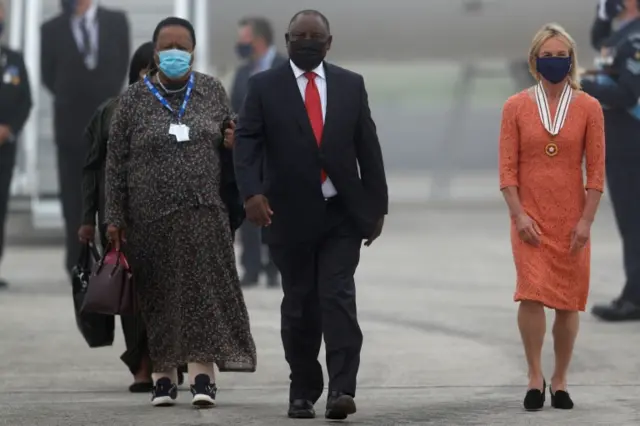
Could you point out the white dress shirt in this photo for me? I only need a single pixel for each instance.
(90, 18)
(328, 190)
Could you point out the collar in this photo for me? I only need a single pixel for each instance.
(267, 59)
(319, 71)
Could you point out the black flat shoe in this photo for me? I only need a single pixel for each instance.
(534, 399)
(561, 400)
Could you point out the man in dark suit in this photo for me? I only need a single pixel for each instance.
(323, 192)
(15, 106)
(255, 46)
(85, 58)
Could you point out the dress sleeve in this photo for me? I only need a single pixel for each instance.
(594, 148)
(118, 146)
(509, 146)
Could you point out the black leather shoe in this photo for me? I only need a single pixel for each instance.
(301, 409)
(534, 399)
(561, 400)
(618, 310)
(339, 406)
(3, 284)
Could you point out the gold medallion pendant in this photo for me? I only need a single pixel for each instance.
(551, 149)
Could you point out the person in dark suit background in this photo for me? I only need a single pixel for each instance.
(256, 47)
(320, 193)
(84, 60)
(15, 106)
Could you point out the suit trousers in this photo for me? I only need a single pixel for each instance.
(320, 300)
(251, 257)
(623, 181)
(71, 159)
(7, 163)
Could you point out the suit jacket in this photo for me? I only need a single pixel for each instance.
(15, 91)
(241, 81)
(77, 90)
(274, 121)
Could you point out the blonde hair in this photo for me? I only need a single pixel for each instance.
(547, 32)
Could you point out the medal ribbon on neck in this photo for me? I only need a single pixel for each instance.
(561, 112)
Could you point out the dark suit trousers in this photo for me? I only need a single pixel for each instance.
(320, 299)
(251, 257)
(133, 328)
(7, 162)
(71, 159)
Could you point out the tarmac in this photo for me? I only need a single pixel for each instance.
(441, 342)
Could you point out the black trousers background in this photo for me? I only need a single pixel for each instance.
(7, 163)
(251, 256)
(623, 181)
(133, 328)
(71, 159)
(624, 189)
(320, 299)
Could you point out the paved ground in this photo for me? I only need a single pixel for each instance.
(441, 344)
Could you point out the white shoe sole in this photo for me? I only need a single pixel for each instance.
(163, 401)
(203, 401)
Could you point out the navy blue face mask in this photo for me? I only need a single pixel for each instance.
(244, 50)
(554, 69)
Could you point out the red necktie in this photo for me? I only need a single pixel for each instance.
(314, 110)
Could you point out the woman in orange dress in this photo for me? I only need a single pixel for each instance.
(546, 133)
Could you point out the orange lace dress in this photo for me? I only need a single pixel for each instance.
(552, 192)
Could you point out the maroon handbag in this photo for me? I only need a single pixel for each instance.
(110, 290)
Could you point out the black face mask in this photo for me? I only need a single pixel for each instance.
(307, 54)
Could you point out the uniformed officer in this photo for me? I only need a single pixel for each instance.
(15, 106)
(616, 33)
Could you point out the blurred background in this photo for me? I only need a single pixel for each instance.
(437, 72)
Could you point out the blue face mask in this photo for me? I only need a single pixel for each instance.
(174, 63)
(244, 50)
(554, 69)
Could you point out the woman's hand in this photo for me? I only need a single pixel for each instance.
(116, 236)
(580, 235)
(229, 138)
(528, 230)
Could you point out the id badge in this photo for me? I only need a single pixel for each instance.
(180, 131)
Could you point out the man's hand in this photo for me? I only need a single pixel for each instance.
(376, 232)
(229, 138)
(5, 133)
(258, 210)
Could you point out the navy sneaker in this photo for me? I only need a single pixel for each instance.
(164, 393)
(204, 392)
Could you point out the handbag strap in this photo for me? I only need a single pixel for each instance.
(94, 252)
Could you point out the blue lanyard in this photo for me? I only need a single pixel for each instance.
(164, 102)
